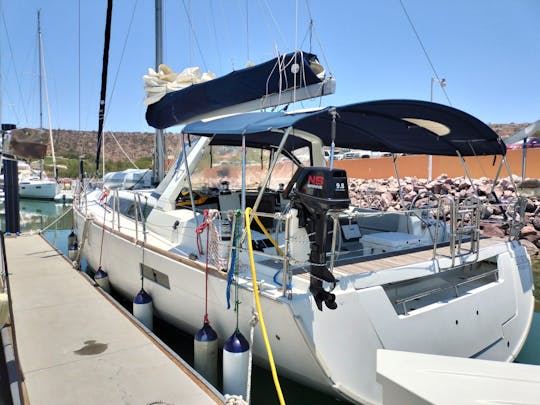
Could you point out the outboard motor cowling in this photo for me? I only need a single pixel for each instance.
(314, 191)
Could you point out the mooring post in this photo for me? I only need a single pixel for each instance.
(11, 188)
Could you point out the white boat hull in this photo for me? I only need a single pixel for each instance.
(333, 351)
(38, 189)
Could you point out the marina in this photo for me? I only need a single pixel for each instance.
(254, 256)
(182, 344)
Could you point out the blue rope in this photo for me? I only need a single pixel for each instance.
(236, 236)
(289, 286)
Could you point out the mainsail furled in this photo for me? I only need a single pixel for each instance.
(285, 79)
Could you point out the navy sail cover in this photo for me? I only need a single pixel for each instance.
(237, 87)
(396, 126)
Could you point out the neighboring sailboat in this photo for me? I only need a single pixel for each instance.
(34, 184)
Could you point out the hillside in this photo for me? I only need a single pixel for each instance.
(506, 130)
(72, 144)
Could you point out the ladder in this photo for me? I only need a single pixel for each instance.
(464, 232)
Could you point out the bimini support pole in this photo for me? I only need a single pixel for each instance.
(334, 114)
(243, 195)
(467, 172)
(394, 161)
(507, 165)
(188, 178)
(271, 169)
(496, 178)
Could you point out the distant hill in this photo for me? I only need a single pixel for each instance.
(506, 130)
(70, 143)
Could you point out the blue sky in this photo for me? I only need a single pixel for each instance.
(487, 50)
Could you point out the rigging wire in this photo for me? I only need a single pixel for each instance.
(247, 29)
(121, 149)
(216, 41)
(326, 61)
(14, 67)
(227, 31)
(121, 58)
(188, 15)
(424, 50)
(296, 26)
(269, 10)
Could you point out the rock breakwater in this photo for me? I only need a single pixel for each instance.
(411, 192)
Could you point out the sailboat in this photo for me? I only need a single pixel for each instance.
(250, 204)
(35, 184)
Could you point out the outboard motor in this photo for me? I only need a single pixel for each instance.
(318, 190)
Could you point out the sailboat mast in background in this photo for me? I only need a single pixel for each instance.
(104, 70)
(40, 58)
(159, 148)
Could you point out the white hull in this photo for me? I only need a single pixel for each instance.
(38, 189)
(334, 351)
(336, 282)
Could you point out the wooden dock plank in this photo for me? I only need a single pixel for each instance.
(76, 347)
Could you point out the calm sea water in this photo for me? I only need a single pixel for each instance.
(39, 215)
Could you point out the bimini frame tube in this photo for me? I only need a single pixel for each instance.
(188, 178)
(333, 113)
(271, 169)
(244, 185)
(467, 172)
(394, 161)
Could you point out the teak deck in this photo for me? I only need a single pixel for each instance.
(398, 259)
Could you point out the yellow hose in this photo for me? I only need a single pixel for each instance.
(259, 311)
(278, 250)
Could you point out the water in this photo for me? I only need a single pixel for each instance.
(38, 215)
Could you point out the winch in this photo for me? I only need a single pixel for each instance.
(314, 191)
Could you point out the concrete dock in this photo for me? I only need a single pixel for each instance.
(75, 346)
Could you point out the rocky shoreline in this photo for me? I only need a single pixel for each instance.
(384, 194)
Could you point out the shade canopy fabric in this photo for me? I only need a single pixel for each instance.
(396, 126)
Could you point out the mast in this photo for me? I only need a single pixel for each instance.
(43, 78)
(40, 69)
(159, 148)
(2, 145)
(103, 94)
